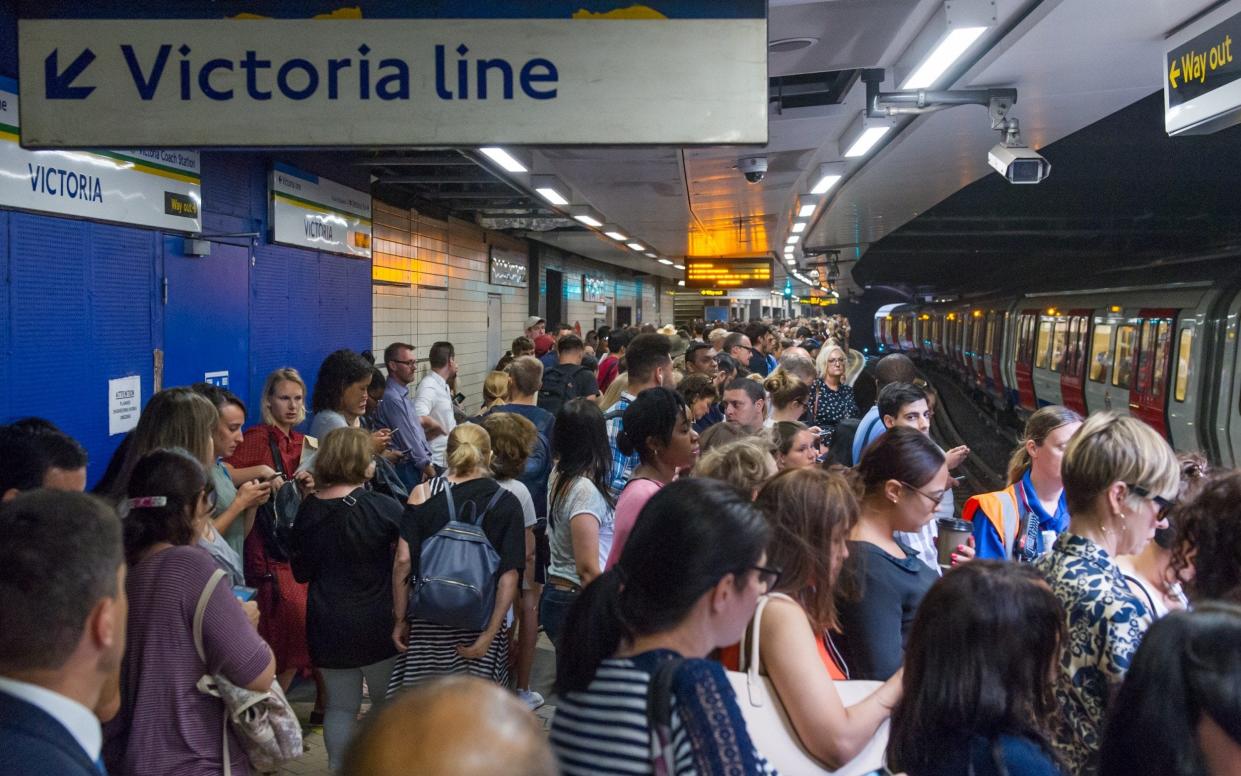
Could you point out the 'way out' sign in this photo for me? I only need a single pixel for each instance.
(371, 82)
(1202, 74)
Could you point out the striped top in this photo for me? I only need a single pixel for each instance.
(604, 729)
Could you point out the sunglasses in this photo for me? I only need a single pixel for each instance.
(768, 575)
(1141, 492)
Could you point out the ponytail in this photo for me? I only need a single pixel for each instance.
(1038, 427)
(469, 449)
(594, 628)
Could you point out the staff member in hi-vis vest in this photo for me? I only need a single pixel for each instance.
(1010, 523)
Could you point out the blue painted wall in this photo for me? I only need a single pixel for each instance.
(82, 303)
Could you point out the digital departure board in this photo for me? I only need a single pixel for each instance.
(727, 273)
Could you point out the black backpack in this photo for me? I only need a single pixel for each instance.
(558, 387)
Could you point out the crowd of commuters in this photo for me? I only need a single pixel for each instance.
(652, 501)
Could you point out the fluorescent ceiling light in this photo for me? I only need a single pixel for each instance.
(680, 282)
(550, 188)
(790, 260)
(806, 210)
(830, 174)
(948, 51)
(585, 215)
(678, 266)
(865, 141)
(637, 246)
(792, 239)
(503, 158)
(614, 231)
(665, 262)
(799, 227)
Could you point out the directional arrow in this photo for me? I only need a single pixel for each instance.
(1174, 73)
(58, 85)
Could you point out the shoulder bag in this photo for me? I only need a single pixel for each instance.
(264, 721)
(769, 725)
(274, 519)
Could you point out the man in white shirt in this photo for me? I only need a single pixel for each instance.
(62, 630)
(434, 397)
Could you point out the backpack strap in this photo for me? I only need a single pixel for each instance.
(659, 716)
(277, 459)
(477, 518)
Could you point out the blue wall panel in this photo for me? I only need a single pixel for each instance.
(6, 325)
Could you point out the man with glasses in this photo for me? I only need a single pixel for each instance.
(907, 405)
(396, 411)
(738, 346)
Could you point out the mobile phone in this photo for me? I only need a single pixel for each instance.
(960, 479)
(244, 593)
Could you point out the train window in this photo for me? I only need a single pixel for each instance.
(1163, 336)
(1122, 362)
(1101, 352)
(1146, 351)
(989, 337)
(1059, 342)
(1077, 345)
(1044, 339)
(1183, 353)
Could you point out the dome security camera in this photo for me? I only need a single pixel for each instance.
(754, 168)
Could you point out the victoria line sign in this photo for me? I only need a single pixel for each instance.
(375, 82)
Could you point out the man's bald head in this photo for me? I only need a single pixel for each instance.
(454, 726)
(895, 368)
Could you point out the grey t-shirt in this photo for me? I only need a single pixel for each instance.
(518, 489)
(582, 497)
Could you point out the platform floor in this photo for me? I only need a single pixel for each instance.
(314, 761)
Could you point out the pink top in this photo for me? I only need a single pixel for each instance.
(635, 495)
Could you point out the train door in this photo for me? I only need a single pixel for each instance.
(1183, 393)
(1073, 364)
(1148, 392)
(1024, 367)
(978, 345)
(1051, 335)
(1100, 346)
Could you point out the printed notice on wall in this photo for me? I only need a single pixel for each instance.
(124, 404)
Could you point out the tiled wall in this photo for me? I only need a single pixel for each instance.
(431, 283)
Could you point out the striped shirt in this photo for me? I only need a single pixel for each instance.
(604, 729)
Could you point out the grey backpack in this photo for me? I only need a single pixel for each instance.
(456, 580)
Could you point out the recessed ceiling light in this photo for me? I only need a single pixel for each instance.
(785, 45)
(665, 262)
(636, 246)
(799, 227)
(503, 158)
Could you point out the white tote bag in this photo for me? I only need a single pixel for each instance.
(770, 728)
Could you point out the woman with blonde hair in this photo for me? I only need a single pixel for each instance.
(495, 391)
(431, 648)
(273, 449)
(1009, 524)
(831, 398)
(744, 464)
(1119, 475)
(342, 547)
(788, 397)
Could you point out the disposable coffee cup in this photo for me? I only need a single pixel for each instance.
(951, 533)
(1049, 538)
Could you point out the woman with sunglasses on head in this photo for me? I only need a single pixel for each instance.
(1150, 572)
(1119, 474)
(903, 476)
(686, 584)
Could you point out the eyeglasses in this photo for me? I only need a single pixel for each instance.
(410, 363)
(1141, 492)
(768, 575)
(934, 497)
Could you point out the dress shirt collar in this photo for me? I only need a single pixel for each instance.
(397, 387)
(80, 721)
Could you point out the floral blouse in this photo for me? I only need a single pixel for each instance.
(1106, 622)
(825, 407)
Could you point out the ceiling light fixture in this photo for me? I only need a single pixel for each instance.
(678, 266)
(636, 246)
(798, 227)
(550, 188)
(586, 215)
(830, 174)
(666, 262)
(680, 282)
(863, 134)
(954, 28)
(503, 158)
(792, 239)
(614, 231)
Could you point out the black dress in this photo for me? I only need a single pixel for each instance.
(343, 547)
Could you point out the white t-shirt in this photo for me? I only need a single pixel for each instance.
(581, 498)
(519, 489)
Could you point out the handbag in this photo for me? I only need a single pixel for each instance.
(264, 721)
(387, 481)
(769, 725)
(274, 519)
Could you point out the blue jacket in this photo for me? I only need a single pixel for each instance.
(34, 742)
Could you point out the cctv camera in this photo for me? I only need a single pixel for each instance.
(753, 168)
(1019, 164)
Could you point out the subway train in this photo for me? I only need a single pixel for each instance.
(1162, 347)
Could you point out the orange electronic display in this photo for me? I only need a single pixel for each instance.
(727, 273)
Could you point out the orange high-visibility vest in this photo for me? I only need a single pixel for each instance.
(1002, 509)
